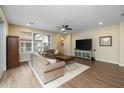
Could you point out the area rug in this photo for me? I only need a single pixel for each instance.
(71, 71)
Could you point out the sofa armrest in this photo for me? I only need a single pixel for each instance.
(51, 67)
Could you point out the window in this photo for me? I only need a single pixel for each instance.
(22, 47)
(46, 42)
(37, 46)
(34, 42)
(25, 42)
(26, 36)
(41, 42)
(25, 46)
(28, 46)
(37, 39)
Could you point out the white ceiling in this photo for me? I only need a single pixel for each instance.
(79, 18)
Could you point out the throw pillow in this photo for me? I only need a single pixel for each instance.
(52, 61)
(56, 52)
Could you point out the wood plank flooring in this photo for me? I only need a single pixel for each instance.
(100, 74)
(21, 77)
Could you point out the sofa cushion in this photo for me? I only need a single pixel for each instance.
(43, 60)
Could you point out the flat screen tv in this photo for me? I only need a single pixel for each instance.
(84, 44)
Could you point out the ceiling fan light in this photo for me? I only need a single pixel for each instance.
(63, 29)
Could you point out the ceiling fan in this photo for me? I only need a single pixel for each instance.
(64, 28)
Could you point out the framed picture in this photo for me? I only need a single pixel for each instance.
(105, 41)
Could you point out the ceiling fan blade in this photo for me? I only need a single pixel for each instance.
(66, 26)
(64, 31)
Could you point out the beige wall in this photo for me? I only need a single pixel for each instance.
(60, 37)
(66, 49)
(107, 54)
(67, 44)
(15, 30)
(112, 54)
(121, 44)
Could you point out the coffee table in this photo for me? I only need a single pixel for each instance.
(65, 58)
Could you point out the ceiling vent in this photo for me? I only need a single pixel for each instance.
(122, 14)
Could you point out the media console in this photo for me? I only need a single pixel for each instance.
(86, 54)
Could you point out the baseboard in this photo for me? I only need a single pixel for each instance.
(1, 74)
(107, 61)
(121, 65)
(35, 73)
(110, 62)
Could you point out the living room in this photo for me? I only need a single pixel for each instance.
(45, 52)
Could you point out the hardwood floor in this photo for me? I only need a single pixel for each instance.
(20, 77)
(100, 74)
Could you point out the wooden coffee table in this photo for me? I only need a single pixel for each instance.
(65, 58)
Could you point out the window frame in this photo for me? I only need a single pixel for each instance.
(33, 41)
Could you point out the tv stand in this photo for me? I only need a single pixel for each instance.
(86, 54)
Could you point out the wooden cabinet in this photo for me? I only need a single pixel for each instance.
(12, 52)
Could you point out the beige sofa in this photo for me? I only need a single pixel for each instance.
(46, 71)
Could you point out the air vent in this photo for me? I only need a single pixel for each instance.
(122, 14)
(31, 23)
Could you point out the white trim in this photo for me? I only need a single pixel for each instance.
(25, 60)
(113, 62)
(38, 78)
(121, 65)
(1, 74)
(107, 61)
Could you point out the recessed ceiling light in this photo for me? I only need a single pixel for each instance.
(100, 23)
(122, 14)
(27, 24)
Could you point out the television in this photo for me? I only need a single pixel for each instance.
(84, 44)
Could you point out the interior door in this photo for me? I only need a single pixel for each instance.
(12, 52)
